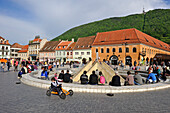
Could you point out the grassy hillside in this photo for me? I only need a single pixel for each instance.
(155, 23)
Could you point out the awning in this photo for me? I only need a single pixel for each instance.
(33, 55)
(3, 60)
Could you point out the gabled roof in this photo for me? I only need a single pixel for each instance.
(50, 46)
(71, 46)
(16, 45)
(84, 43)
(128, 36)
(24, 49)
(64, 44)
(2, 38)
(4, 41)
(37, 40)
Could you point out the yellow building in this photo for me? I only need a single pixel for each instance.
(128, 45)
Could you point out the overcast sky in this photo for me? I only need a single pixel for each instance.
(22, 20)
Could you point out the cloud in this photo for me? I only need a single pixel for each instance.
(53, 17)
(18, 30)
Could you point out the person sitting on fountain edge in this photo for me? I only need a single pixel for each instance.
(84, 78)
(67, 77)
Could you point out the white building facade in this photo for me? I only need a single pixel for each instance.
(4, 48)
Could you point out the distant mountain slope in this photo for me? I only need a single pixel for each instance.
(155, 23)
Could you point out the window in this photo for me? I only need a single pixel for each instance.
(113, 50)
(134, 49)
(76, 53)
(63, 46)
(120, 50)
(71, 53)
(63, 53)
(60, 52)
(102, 50)
(88, 53)
(146, 39)
(6, 48)
(127, 50)
(67, 53)
(82, 53)
(96, 50)
(107, 50)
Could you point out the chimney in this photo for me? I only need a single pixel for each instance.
(72, 39)
(59, 39)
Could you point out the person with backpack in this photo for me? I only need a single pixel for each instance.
(102, 79)
(93, 78)
(84, 78)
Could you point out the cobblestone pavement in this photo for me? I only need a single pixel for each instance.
(20, 98)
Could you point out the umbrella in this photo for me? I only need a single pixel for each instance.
(3, 60)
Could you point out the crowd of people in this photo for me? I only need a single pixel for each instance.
(155, 73)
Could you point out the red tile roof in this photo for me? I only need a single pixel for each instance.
(4, 42)
(129, 36)
(71, 46)
(22, 51)
(37, 39)
(25, 47)
(64, 44)
(2, 38)
(16, 45)
(84, 43)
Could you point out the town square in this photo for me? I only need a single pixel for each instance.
(55, 59)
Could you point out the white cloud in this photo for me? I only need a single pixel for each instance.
(18, 30)
(53, 17)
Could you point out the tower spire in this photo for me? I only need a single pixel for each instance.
(144, 10)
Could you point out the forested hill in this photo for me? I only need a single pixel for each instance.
(155, 23)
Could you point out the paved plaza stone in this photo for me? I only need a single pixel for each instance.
(20, 98)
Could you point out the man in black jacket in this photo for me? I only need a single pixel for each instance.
(67, 77)
(115, 80)
(84, 78)
(93, 78)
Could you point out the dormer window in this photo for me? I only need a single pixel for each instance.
(146, 39)
(63, 46)
(82, 46)
(77, 46)
(154, 42)
(58, 46)
(160, 45)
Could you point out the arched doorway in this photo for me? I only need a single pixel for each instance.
(114, 60)
(128, 60)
